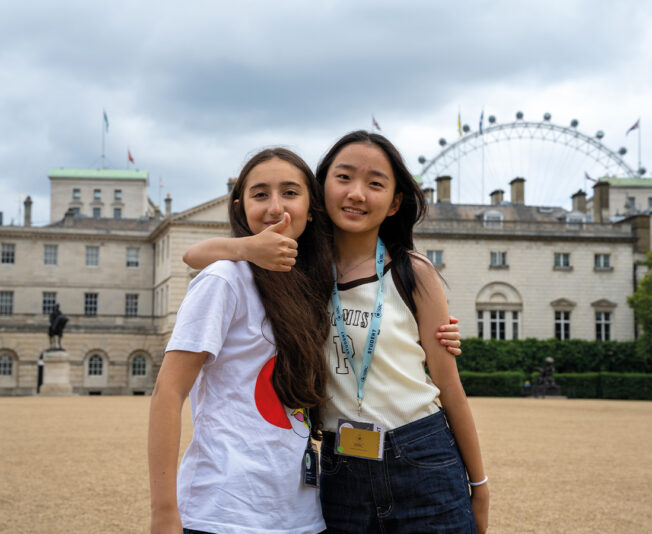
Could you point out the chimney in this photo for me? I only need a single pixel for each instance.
(579, 201)
(230, 183)
(157, 213)
(28, 211)
(496, 196)
(168, 205)
(68, 218)
(518, 191)
(428, 192)
(443, 188)
(601, 202)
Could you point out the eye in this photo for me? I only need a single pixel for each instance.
(259, 195)
(342, 176)
(291, 193)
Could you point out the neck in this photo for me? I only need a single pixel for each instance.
(350, 248)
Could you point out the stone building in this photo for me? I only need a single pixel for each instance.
(112, 260)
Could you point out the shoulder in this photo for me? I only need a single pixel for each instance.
(429, 293)
(424, 270)
(232, 273)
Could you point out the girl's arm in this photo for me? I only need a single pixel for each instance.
(177, 375)
(432, 309)
(270, 249)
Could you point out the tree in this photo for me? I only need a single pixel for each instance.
(641, 303)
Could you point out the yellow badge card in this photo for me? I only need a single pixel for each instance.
(363, 440)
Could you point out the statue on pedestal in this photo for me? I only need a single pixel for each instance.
(546, 380)
(57, 323)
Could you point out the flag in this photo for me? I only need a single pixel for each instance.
(586, 175)
(106, 120)
(633, 127)
(376, 125)
(129, 156)
(459, 124)
(481, 119)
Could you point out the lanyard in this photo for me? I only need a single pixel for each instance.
(374, 326)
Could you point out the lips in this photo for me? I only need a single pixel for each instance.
(353, 211)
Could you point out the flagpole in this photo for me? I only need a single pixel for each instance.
(103, 133)
(482, 188)
(639, 144)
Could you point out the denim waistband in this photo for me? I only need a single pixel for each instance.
(404, 434)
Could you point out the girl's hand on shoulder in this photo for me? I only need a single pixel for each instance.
(449, 336)
(270, 249)
(480, 505)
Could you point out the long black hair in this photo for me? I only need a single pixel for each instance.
(295, 302)
(395, 231)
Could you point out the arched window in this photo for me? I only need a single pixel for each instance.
(6, 365)
(139, 365)
(95, 365)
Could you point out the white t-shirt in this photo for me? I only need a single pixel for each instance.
(242, 471)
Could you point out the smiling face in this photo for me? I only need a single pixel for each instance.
(359, 190)
(272, 188)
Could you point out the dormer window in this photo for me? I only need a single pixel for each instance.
(493, 219)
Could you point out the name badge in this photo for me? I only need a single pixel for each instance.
(362, 440)
(310, 467)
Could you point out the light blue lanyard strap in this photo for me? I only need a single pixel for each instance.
(374, 326)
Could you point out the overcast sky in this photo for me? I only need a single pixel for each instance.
(193, 88)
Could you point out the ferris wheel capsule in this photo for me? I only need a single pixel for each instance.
(492, 119)
(466, 128)
(519, 115)
(642, 171)
(599, 134)
(547, 117)
(422, 159)
(622, 151)
(442, 141)
(575, 123)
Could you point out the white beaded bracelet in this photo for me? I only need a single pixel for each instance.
(483, 481)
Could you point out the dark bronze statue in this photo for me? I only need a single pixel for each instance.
(546, 380)
(57, 323)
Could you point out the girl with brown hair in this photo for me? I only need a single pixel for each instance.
(247, 347)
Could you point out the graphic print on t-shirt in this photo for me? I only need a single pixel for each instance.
(272, 409)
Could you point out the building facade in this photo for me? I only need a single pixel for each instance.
(512, 271)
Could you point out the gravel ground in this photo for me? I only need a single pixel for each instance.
(78, 464)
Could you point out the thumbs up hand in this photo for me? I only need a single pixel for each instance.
(272, 250)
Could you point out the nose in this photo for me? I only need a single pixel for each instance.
(356, 192)
(275, 205)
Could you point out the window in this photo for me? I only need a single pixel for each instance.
(133, 257)
(562, 324)
(6, 365)
(76, 212)
(95, 365)
(630, 203)
(131, 304)
(8, 253)
(117, 213)
(493, 219)
(480, 324)
(6, 302)
(92, 256)
(498, 259)
(90, 303)
(49, 300)
(562, 260)
(497, 324)
(602, 326)
(649, 203)
(50, 254)
(602, 261)
(97, 213)
(436, 257)
(117, 195)
(516, 322)
(139, 365)
(76, 194)
(97, 194)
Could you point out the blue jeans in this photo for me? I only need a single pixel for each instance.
(420, 486)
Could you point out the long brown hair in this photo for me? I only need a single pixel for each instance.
(295, 302)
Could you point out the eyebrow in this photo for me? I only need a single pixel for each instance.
(349, 167)
(288, 183)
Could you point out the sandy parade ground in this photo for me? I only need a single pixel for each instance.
(78, 464)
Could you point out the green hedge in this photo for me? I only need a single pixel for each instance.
(571, 356)
(501, 384)
(635, 386)
(626, 386)
(579, 385)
